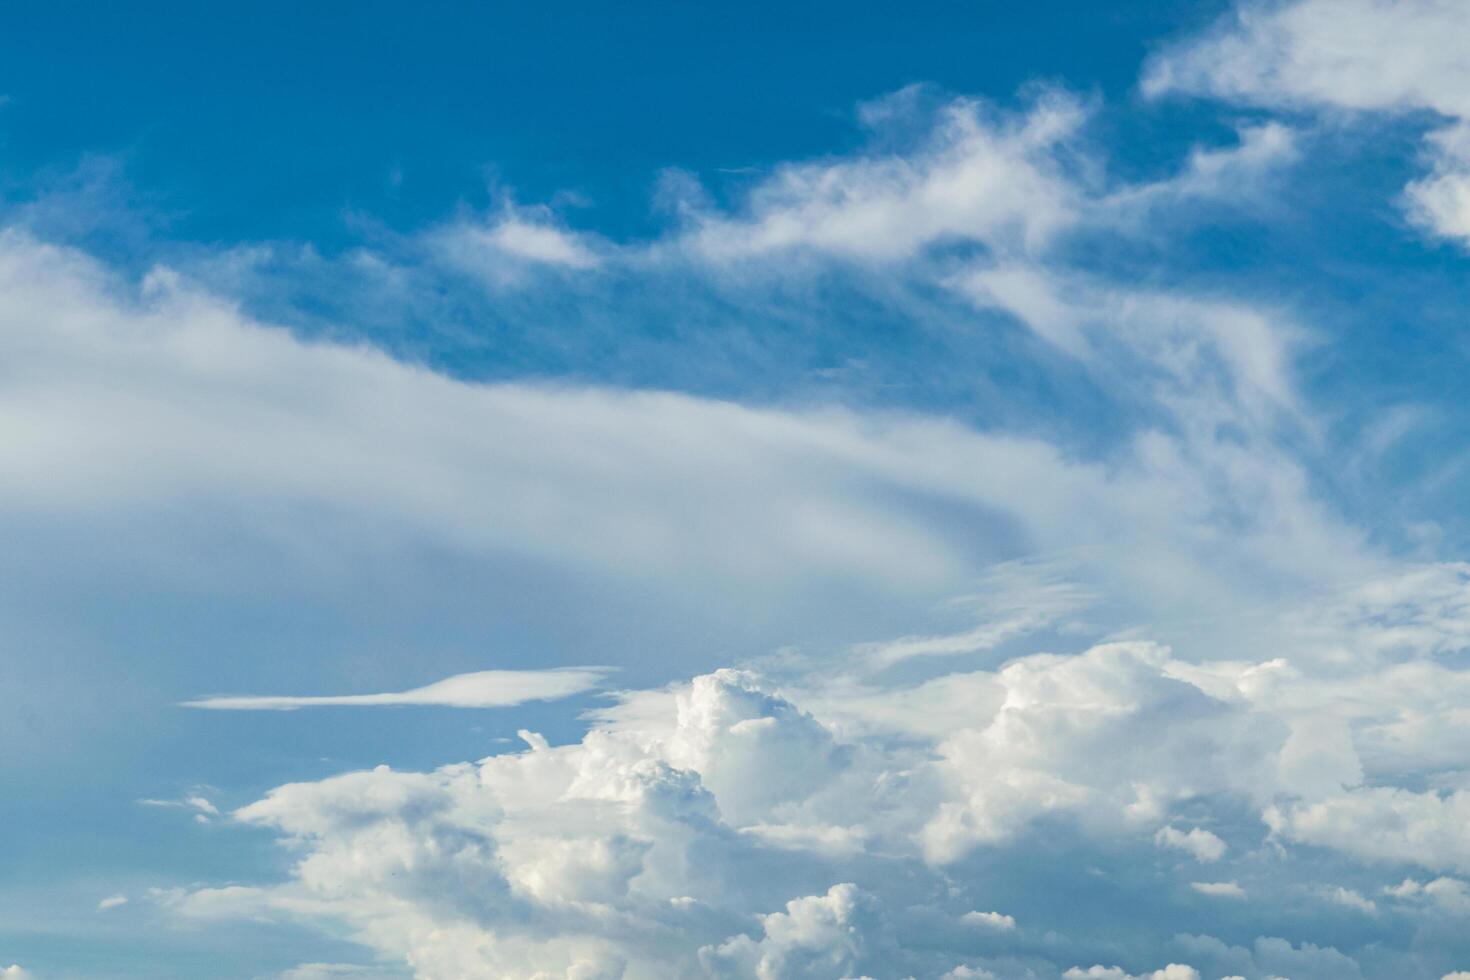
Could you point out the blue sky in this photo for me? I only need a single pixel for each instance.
(779, 491)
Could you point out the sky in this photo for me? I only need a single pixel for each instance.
(807, 490)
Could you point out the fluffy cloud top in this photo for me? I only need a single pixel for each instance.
(631, 853)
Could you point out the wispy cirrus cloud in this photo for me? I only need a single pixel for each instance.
(1354, 56)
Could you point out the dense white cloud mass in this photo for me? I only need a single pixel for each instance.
(1359, 55)
(1173, 971)
(650, 848)
(482, 689)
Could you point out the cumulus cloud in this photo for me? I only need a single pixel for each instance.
(1174, 971)
(1108, 735)
(481, 689)
(1449, 895)
(989, 920)
(1197, 842)
(112, 902)
(1384, 824)
(1270, 957)
(817, 936)
(624, 845)
(675, 838)
(1349, 898)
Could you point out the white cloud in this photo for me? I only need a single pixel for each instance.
(481, 689)
(540, 243)
(1201, 844)
(1014, 181)
(1213, 359)
(1349, 898)
(1382, 823)
(963, 972)
(509, 249)
(817, 936)
(818, 837)
(686, 815)
(990, 920)
(204, 810)
(649, 486)
(112, 902)
(1232, 173)
(1013, 599)
(1273, 958)
(15, 972)
(1016, 185)
(1174, 971)
(1108, 735)
(569, 474)
(1359, 55)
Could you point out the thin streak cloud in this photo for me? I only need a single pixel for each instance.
(480, 689)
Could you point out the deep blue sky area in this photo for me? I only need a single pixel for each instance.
(274, 120)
